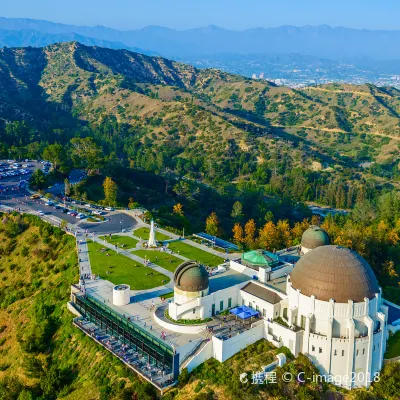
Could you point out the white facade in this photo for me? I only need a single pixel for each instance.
(345, 341)
(121, 295)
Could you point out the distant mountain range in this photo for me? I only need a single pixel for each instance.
(320, 41)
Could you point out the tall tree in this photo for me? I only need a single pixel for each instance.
(212, 225)
(110, 192)
(38, 179)
(86, 154)
(178, 209)
(237, 211)
(250, 230)
(237, 230)
(55, 153)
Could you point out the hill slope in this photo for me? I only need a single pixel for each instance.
(194, 110)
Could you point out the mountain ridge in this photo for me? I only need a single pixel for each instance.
(321, 40)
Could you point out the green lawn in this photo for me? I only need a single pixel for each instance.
(195, 254)
(123, 269)
(164, 260)
(393, 346)
(145, 232)
(128, 242)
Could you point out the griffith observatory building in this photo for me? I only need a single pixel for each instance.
(317, 299)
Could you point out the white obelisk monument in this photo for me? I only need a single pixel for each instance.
(152, 238)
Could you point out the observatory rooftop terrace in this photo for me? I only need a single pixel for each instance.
(138, 310)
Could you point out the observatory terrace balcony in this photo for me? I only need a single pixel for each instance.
(151, 357)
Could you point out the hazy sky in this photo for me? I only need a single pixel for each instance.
(233, 14)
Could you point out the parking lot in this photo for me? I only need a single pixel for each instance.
(15, 195)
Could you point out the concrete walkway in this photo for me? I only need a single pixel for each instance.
(83, 255)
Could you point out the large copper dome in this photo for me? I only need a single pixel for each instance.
(314, 237)
(334, 272)
(191, 276)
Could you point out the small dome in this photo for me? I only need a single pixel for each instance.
(314, 237)
(261, 258)
(191, 276)
(334, 272)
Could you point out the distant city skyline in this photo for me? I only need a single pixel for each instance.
(233, 14)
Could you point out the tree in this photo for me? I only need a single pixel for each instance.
(250, 230)
(237, 230)
(38, 179)
(178, 209)
(132, 203)
(212, 224)
(269, 237)
(237, 211)
(86, 154)
(110, 192)
(55, 153)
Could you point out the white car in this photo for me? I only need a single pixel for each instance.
(81, 216)
(88, 205)
(41, 213)
(109, 209)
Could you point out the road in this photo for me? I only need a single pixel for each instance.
(20, 199)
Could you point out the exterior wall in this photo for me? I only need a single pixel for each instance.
(280, 335)
(224, 349)
(286, 269)
(271, 310)
(205, 354)
(182, 296)
(243, 269)
(121, 297)
(202, 307)
(344, 340)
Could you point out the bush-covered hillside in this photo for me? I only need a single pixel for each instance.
(41, 354)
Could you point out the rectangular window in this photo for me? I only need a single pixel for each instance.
(342, 353)
(374, 347)
(194, 310)
(257, 308)
(313, 348)
(357, 352)
(363, 351)
(221, 305)
(230, 302)
(335, 352)
(242, 302)
(264, 312)
(250, 304)
(320, 350)
(303, 322)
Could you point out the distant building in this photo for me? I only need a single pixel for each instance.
(254, 76)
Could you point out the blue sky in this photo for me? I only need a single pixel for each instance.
(233, 14)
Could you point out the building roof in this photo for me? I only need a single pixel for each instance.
(260, 258)
(334, 272)
(314, 237)
(262, 293)
(191, 276)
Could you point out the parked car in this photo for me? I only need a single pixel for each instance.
(109, 209)
(41, 213)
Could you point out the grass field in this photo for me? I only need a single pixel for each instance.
(128, 242)
(195, 254)
(122, 269)
(164, 260)
(393, 347)
(145, 232)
